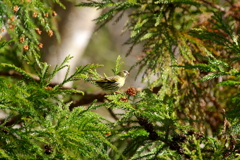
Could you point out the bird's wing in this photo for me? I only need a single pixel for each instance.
(107, 79)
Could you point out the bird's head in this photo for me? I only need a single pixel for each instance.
(123, 73)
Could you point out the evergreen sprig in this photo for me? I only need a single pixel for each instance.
(47, 122)
(37, 123)
(179, 48)
(173, 119)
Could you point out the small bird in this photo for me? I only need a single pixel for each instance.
(112, 84)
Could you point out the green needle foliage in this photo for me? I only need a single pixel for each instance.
(36, 123)
(190, 109)
(192, 49)
(44, 125)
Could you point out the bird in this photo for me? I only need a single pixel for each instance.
(112, 84)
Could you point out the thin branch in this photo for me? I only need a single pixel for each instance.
(207, 3)
(87, 98)
(11, 121)
(113, 114)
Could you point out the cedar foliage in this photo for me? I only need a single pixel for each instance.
(38, 122)
(190, 111)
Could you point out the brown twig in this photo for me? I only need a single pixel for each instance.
(207, 3)
(11, 121)
(88, 98)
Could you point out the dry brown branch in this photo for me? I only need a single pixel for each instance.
(207, 3)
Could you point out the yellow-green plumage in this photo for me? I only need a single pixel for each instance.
(112, 84)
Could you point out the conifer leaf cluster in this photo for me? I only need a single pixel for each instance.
(36, 122)
(189, 110)
(193, 58)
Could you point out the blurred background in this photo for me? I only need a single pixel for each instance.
(81, 38)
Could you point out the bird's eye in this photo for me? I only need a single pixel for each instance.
(126, 72)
